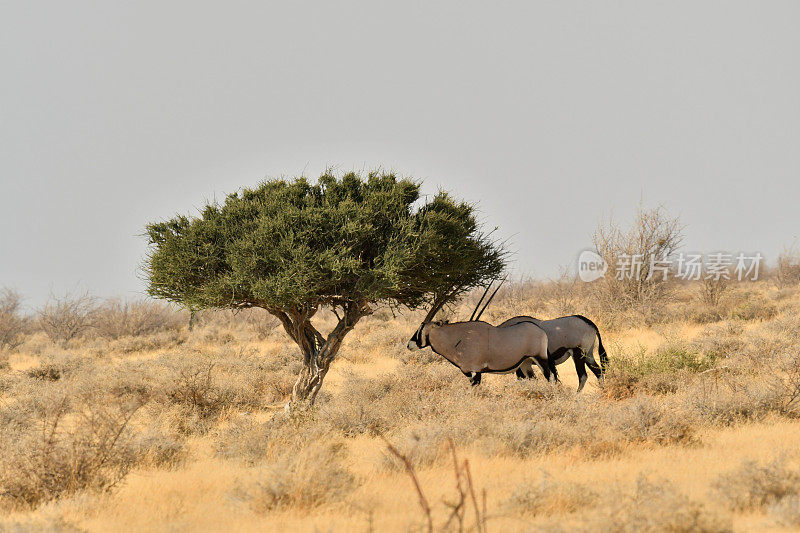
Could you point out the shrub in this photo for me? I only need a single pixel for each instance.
(730, 399)
(256, 442)
(81, 442)
(158, 449)
(787, 511)
(653, 237)
(46, 372)
(545, 496)
(712, 290)
(532, 437)
(704, 314)
(307, 478)
(162, 340)
(246, 440)
(675, 357)
(194, 387)
(361, 407)
(656, 508)
(55, 367)
(642, 420)
(12, 325)
(755, 308)
(355, 419)
(68, 317)
(787, 271)
(754, 486)
(562, 293)
(389, 401)
(207, 385)
(416, 357)
(423, 445)
(720, 340)
(786, 384)
(662, 371)
(115, 318)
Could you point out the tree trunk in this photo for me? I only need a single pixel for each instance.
(309, 381)
(318, 352)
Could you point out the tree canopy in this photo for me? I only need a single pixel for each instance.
(294, 243)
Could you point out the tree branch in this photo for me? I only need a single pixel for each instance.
(353, 312)
(286, 322)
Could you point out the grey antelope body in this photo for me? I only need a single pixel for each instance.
(476, 347)
(569, 336)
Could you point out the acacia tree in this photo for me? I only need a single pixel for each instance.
(348, 243)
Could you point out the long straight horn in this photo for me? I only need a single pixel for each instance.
(490, 298)
(472, 316)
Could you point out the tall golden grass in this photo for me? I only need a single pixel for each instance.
(135, 423)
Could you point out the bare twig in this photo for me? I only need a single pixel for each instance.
(465, 492)
(423, 501)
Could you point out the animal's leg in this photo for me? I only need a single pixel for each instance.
(592, 364)
(528, 369)
(580, 368)
(474, 377)
(525, 370)
(551, 364)
(543, 365)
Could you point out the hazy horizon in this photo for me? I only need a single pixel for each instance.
(550, 116)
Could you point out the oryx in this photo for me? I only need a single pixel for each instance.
(476, 347)
(569, 336)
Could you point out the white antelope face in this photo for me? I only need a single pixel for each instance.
(421, 337)
(419, 340)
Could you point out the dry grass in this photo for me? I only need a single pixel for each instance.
(547, 497)
(787, 271)
(74, 441)
(301, 479)
(755, 486)
(787, 511)
(656, 506)
(203, 442)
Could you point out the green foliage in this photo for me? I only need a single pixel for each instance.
(673, 357)
(294, 245)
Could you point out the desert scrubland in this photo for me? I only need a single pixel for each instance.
(115, 416)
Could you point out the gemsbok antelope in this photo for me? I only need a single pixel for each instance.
(569, 336)
(476, 347)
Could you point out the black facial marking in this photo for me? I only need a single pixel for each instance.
(417, 337)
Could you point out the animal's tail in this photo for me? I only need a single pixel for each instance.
(601, 351)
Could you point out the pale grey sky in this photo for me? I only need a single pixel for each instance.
(549, 114)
